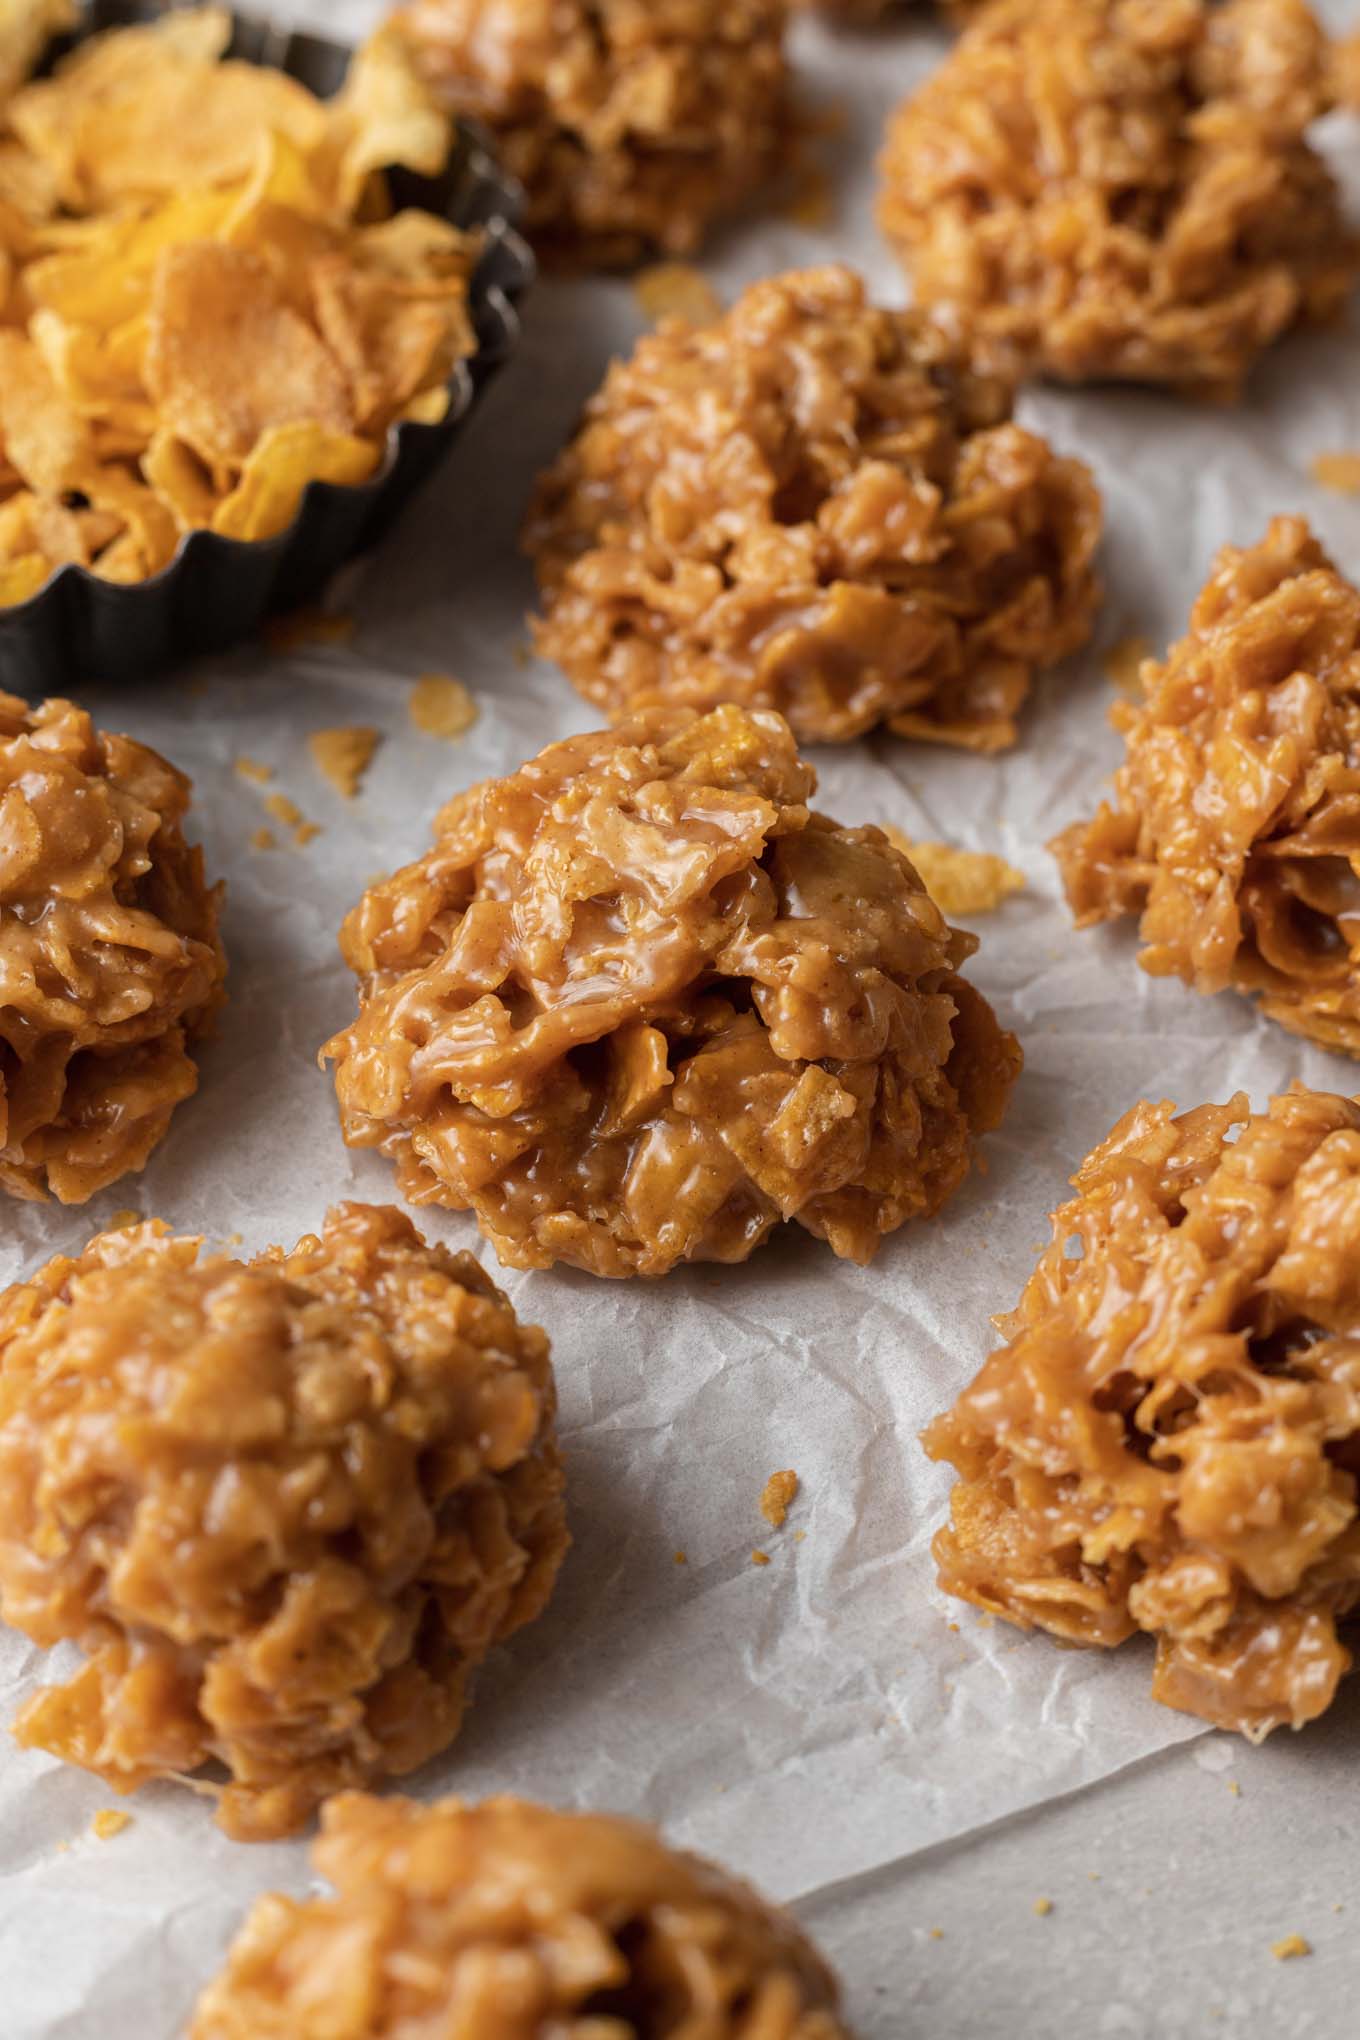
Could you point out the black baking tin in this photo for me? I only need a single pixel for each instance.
(78, 629)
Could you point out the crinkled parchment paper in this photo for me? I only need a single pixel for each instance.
(827, 1714)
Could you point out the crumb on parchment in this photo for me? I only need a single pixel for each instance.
(254, 771)
(441, 706)
(344, 754)
(682, 1558)
(264, 839)
(1124, 663)
(760, 1558)
(1043, 1907)
(290, 816)
(108, 1822)
(959, 881)
(777, 1498)
(677, 290)
(1292, 1946)
(1338, 471)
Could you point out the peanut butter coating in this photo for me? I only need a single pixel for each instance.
(1123, 190)
(110, 962)
(818, 507)
(632, 126)
(1234, 832)
(1169, 1440)
(638, 1004)
(507, 1921)
(284, 1507)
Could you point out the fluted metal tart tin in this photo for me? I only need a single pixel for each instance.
(78, 630)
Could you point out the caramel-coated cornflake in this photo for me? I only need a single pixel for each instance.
(632, 127)
(110, 963)
(1123, 189)
(1234, 832)
(1169, 1440)
(638, 1005)
(284, 1507)
(507, 1921)
(819, 507)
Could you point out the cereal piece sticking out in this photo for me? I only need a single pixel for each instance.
(303, 628)
(123, 1220)
(108, 1822)
(818, 506)
(623, 977)
(512, 1922)
(777, 1498)
(254, 771)
(441, 706)
(326, 1482)
(677, 290)
(1339, 471)
(966, 882)
(1108, 190)
(1124, 663)
(1179, 1465)
(1232, 833)
(344, 754)
(1290, 1948)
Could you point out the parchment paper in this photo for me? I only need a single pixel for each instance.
(828, 1714)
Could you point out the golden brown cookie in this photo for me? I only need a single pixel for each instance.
(285, 1507)
(637, 1005)
(1169, 1440)
(507, 1921)
(818, 507)
(110, 962)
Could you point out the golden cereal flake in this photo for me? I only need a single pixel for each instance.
(264, 839)
(1339, 471)
(1043, 1907)
(760, 1558)
(775, 1502)
(254, 771)
(1290, 1948)
(960, 881)
(1124, 663)
(109, 1822)
(441, 706)
(677, 290)
(344, 754)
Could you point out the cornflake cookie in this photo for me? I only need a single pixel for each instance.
(207, 301)
(285, 1507)
(1235, 827)
(1122, 189)
(632, 126)
(110, 961)
(514, 1922)
(1169, 1439)
(818, 507)
(637, 1005)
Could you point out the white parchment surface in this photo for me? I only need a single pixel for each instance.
(828, 1714)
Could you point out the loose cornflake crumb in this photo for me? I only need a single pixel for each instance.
(780, 1490)
(1124, 663)
(1043, 1907)
(682, 1558)
(1291, 1946)
(1234, 1788)
(1339, 471)
(291, 816)
(760, 1558)
(109, 1822)
(442, 707)
(937, 1933)
(252, 769)
(960, 881)
(308, 627)
(343, 755)
(264, 839)
(677, 290)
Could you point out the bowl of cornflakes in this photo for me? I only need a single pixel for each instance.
(251, 287)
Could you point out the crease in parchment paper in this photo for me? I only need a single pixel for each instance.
(817, 1719)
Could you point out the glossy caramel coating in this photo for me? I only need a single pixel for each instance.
(110, 962)
(638, 1004)
(1169, 1440)
(632, 125)
(1234, 832)
(1122, 189)
(284, 1507)
(818, 507)
(507, 1921)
